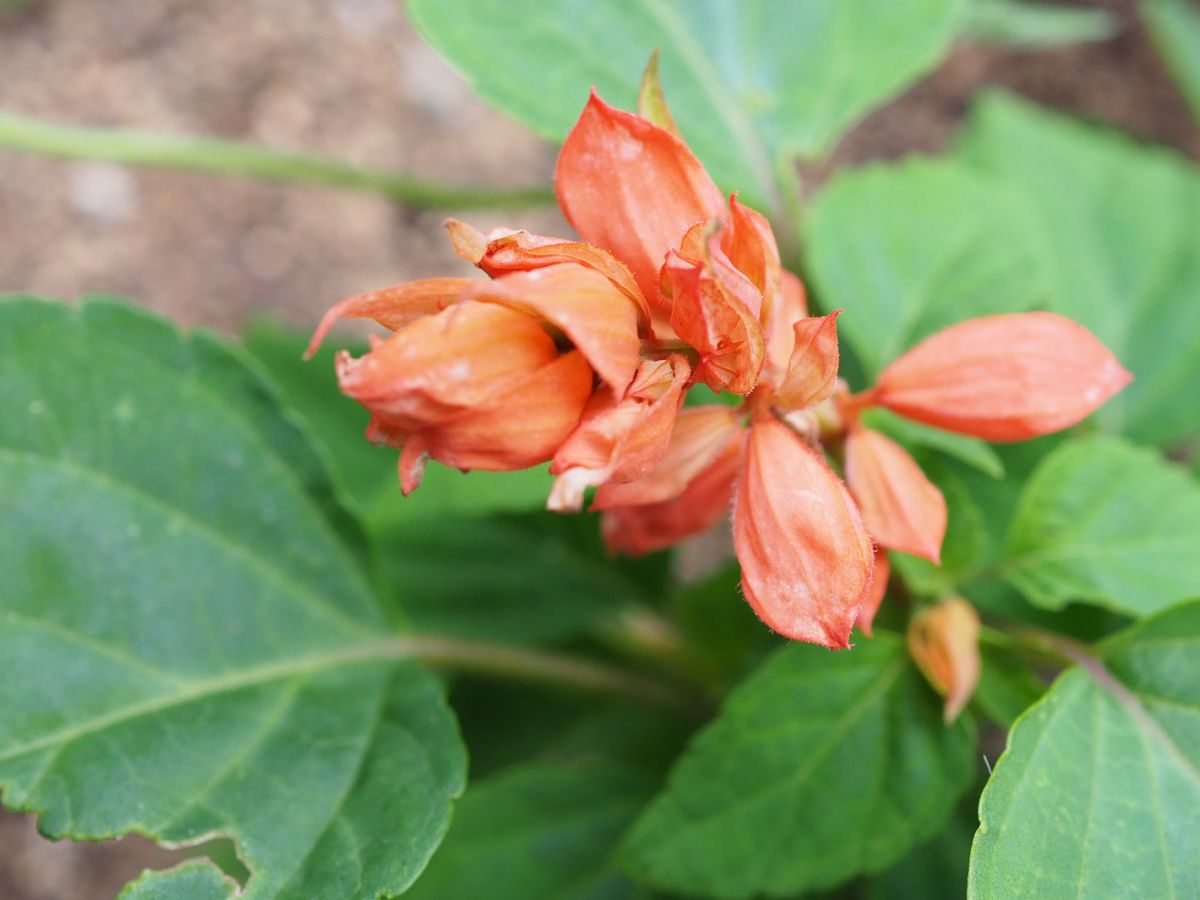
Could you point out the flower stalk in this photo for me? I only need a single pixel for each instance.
(223, 157)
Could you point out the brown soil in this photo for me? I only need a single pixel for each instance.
(347, 78)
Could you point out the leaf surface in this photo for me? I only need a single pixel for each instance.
(750, 84)
(188, 646)
(909, 248)
(1105, 522)
(1098, 793)
(539, 829)
(820, 766)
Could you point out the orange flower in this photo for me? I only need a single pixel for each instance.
(806, 557)
(582, 351)
(474, 375)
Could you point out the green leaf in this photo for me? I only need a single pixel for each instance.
(188, 647)
(1119, 219)
(751, 83)
(718, 624)
(937, 870)
(1098, 793)
(1174, 26)
(193, 880)
(366, 474)
(540, 829)
(821, 765)
(1035, 25)
(1106, 522)
(908, 248)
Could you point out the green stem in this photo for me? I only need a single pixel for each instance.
(1057, 648)
(791, 215)
(248, 160)
(539, 667)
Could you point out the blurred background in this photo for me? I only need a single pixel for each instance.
(349, 79)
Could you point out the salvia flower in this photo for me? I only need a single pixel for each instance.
(581, 352)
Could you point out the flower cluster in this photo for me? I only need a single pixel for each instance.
(581, 354)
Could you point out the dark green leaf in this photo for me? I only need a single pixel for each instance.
(717, 622)
(1098, 793)
(544, 830)
(908, 248)
(1106, 522)
(751, 83)
(537, 577)
(188, 648)
(937, 870)
(821, 765)
(1119, 221)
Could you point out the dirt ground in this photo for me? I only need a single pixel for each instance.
(347, 78)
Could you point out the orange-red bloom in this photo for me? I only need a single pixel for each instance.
(581, 352)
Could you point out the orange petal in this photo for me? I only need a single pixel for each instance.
(789, 306)
(714, 308)
(655, 526)
(442, 365)
(392, 307)
(1003, 378)
(700, 434)
(620, 439)
(749, 242)
(903, 510)
(590, 310)
(944, 642)
(633, 188)
(506, 250)
(518, 428)
(813, 367)
(806, 557)
(874, 598)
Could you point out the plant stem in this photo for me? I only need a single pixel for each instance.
(1057, 647)
(248, 160)
(790, 215)
(539, 667)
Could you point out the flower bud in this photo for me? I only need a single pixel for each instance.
(944, 642)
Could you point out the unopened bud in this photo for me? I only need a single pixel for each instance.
(944, 642)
